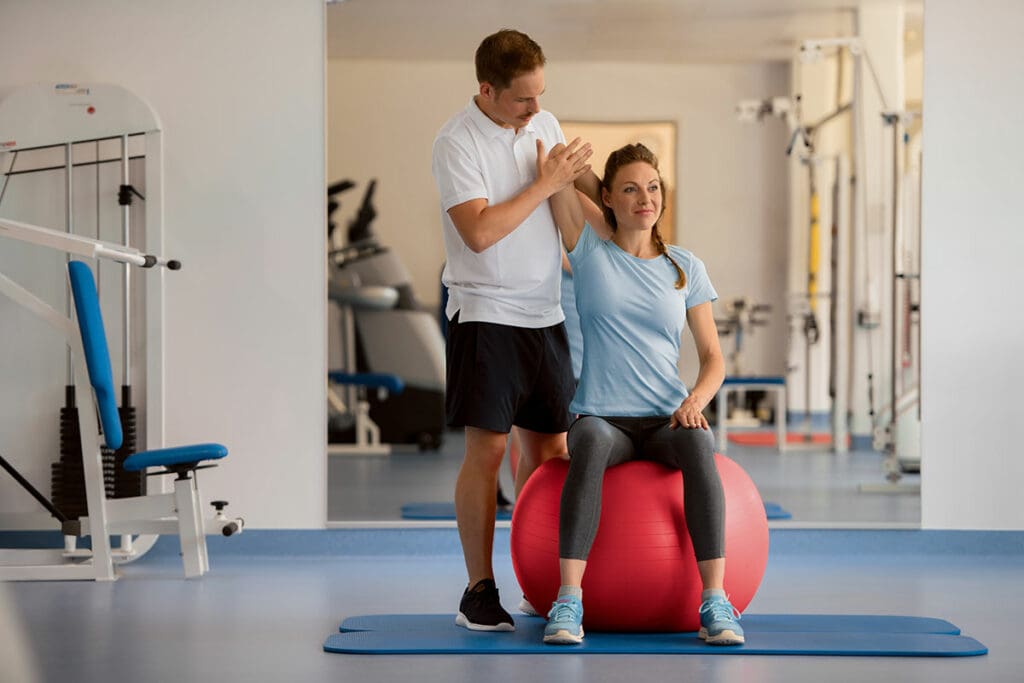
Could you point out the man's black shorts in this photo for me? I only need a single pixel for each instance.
(501, 375)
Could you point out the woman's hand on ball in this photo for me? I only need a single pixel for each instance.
(689, 415)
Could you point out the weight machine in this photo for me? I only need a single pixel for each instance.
(896, 423)
(34, 122)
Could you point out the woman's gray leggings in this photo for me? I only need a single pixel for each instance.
(597, 443)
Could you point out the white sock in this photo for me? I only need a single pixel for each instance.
(712, 593)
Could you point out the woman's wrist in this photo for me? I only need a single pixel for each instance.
(699, 397)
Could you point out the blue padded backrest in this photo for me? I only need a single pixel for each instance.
(97, 355)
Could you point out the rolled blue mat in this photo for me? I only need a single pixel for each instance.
(776, 511)
(434, 511)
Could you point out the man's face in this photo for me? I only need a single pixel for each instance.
(514, 106)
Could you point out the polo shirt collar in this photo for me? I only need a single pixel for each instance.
(485, 124)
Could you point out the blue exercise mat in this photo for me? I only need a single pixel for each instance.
(446, 511)
(888, 636)
(441, 511)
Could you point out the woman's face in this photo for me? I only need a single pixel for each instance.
(635, 196)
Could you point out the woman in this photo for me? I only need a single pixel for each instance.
(634, 294)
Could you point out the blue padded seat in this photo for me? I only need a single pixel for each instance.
(169, 457)
(745, 379)
(97, 360)
(370, 380)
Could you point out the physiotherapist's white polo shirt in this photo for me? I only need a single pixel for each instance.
(516, 281)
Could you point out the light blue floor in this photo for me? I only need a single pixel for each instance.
(271, 598)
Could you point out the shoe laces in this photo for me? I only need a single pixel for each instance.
(564, 610)
(719, 610)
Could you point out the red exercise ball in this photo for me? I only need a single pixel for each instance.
(641, 573)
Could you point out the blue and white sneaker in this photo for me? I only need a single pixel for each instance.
(565, 622)
(719, 623)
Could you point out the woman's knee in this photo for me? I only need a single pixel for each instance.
(589, 431)
(684, 448)
(594, 446)
(695, 440)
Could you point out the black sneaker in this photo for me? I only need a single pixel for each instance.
(481, 610)
(503, 502)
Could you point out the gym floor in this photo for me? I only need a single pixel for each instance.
(272, 597)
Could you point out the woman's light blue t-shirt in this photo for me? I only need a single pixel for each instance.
(632, 319)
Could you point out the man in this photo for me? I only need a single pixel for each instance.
(508, 360)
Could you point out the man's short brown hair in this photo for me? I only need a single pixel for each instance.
(506, 54)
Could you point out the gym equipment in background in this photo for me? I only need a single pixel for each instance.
(774, 385)
(641, 572)
(804, 317)
(36, 122)
(402, 341)
(741, 318)
(353, 412)
(897, 423)
(178, 512)
(803, 308)
(348, 407)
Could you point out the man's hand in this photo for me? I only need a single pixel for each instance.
(560, 167)
(481, 224)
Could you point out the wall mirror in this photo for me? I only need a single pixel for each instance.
(723, 93)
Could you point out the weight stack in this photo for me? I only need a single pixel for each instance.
(127, 484)
(67, 475)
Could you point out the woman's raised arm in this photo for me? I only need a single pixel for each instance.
(565, 205)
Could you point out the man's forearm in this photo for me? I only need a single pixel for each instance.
(483, 225)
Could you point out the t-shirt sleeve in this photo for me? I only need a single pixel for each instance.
(585, 245)
(698, 284)
(457, 174)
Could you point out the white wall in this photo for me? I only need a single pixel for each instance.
(239, 86)
(732, 194)
(973, 331)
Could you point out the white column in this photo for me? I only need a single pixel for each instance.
(972, 328)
